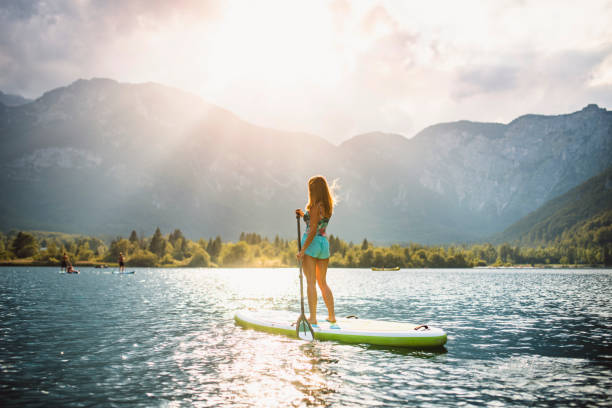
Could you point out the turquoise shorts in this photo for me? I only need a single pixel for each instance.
(318, 248)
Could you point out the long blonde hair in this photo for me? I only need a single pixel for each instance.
(318, 192)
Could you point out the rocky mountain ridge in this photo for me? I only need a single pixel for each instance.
(13, 100)
(99, 156)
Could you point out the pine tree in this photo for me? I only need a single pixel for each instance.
(25, 245)
(214, 248)
(364, 245)
(158, 243)
(175, 236)
(185, 246)
(134, 237)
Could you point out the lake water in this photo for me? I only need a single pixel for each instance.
(166, 337)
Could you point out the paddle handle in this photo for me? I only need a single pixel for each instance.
(299, 242)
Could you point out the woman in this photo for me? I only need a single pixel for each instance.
(315, 247)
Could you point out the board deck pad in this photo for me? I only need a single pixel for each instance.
(365, 331)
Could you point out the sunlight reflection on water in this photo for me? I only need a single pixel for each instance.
(166, 337)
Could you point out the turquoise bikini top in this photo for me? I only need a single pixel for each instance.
(320, 227)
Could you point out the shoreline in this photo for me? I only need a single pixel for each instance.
(98, 265)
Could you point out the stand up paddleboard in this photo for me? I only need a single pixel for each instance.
(347, 330)
(124, 273)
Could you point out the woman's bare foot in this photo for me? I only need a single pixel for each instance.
(331, 319)
(312, 321)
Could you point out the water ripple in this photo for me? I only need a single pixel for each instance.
(165, 337)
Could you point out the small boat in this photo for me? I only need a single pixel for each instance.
(396, 268)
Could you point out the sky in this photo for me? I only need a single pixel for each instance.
(331, 68)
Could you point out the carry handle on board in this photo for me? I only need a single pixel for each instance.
(303, 328)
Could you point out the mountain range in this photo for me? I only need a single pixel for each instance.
(103, 157)
(13, 100)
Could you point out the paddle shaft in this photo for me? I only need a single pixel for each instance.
(299, 242)
(302, 315)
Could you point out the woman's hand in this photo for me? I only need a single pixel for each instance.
(300, 255)
(299, 212)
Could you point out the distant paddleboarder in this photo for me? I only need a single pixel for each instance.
(315, 246)
(65, 263)
(70, 269)
(121, 262)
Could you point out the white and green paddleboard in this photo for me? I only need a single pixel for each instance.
(347, 330)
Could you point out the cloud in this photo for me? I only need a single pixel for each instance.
(378, 21)
(602, 74)
(340, 10)
(46, 44)
(485, 79)
(16, 9)
(330, 68)
(416, 78)
(570, 70)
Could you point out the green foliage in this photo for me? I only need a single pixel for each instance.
(167, 260)
(251, 238)
(3, 252)
(119, 245)
(177, 249)
(586, 243)
(214, 248)
(200, 258)
(235, 254)
(175, 236)
(84, 253)
(133, 237)
(158, 243)
(142, 257)
(25, 245)
(364, 245)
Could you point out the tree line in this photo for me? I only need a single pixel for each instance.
(589, 246)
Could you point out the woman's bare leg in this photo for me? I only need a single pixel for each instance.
(328, 297)
(309, 268)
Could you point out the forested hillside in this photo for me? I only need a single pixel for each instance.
(564, 215)
(578, 219)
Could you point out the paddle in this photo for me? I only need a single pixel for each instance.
(302, 326)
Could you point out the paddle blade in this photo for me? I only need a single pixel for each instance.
(304, 331)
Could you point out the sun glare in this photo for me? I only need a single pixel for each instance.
(281, 45)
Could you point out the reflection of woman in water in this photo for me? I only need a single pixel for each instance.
(65, 262)
(121, 262)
